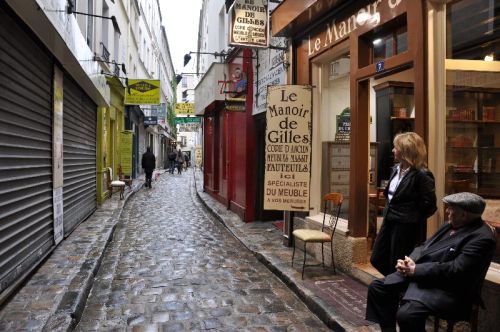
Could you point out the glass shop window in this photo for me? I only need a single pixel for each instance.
(473, 103)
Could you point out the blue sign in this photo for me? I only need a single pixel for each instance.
(379, 66)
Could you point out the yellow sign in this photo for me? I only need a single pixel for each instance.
(184, 108)
(142, 92)
(127, 137)
(288, 148)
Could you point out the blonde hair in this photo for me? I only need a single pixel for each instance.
(412, 149)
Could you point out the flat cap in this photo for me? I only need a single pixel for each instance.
(469, 202)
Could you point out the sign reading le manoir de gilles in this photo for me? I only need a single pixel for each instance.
(288, 148)
(374, 13)
(249, 23)
(142, 92)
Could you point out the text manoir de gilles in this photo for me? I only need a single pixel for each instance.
(286, 133)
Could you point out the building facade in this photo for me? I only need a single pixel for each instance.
(64, 68)
(427, 66)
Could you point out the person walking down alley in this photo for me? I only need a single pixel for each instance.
(442, 277)
(186, 161)
(148, 163)
(180, 161)
(171, 159)
(410, 200)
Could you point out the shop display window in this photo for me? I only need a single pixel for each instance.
(474, 30)
(473, 103)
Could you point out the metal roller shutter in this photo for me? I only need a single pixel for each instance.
(79, 130)
(26, 225)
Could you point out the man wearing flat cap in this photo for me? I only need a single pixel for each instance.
(442, 277)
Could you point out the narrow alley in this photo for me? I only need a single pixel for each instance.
(171, 267)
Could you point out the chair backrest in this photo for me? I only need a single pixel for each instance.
(331, 211)
(110, 174)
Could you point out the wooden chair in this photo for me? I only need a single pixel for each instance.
(332, 204)
(124, 178)
(114, 184)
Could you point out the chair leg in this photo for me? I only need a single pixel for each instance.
(322, 255)
(333, 258)
(293, 254)
(304, 263)
(122, 189)
(450, 326)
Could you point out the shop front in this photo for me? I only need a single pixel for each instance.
(223, 98)
(362, 59)
(388, 66)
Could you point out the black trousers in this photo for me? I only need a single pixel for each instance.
(149, 176)
(383, 307)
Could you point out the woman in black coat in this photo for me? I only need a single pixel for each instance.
(411, 199)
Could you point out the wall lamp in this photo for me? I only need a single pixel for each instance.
(113, 63)
(70, 10)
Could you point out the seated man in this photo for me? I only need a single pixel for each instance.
(441, 277)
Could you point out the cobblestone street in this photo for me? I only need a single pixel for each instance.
(172, 267)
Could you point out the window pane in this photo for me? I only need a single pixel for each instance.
(474, 29)
(401, 40)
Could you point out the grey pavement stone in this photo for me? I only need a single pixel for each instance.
(162, 262)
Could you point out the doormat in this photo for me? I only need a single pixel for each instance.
(278, 225)
(346, 296)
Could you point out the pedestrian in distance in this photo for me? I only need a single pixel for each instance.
(148, 163)
(180, 161)
(410, 200)
(443, 277)
(186, 161)
(172, 156)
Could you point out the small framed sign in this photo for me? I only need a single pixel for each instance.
(379, 66)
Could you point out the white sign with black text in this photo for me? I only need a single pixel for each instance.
(288, 148)
(249, 23)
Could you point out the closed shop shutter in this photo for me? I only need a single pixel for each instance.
(26, 225)
(79, 123)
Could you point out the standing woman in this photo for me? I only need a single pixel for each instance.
(411, 199)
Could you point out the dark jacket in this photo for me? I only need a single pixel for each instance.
(405, 217)
(450, 270)
(172, 155)
(148, 161)
(414, 200)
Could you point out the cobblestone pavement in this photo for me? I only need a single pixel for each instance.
(172, 267)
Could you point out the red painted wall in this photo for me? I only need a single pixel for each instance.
(230, 148)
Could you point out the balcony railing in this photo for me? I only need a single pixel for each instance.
(116, 69)
(105, 53)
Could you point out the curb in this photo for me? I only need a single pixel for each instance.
(314, 304)
(72, 304)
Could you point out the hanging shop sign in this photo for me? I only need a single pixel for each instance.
(249, 23)
(288, 148)
(190, 119)
(235, 104)
(142, 92)
(184, 108)
(188, 127)
(150, 120)
(198, 155)
(234, 84)
(126, 140)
